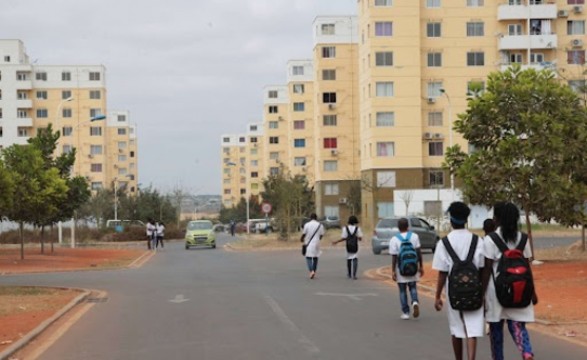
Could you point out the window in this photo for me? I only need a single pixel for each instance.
(254, 174)
(21, 76)
(434, 59)
(121, 131)
(22, 131)
(121, 118)
(67, 113)
(516, 58)
(297, 70)
(433, 3)
(386, 179)
(96, 149)
(273, 125)
(536, 58)
(475, 59)
(434, 89)
(66, 76)
(384, 89)
(95, 112)
(384, 119)
(331, 189)
(22, 114)
(42, 113)
(327, 29)
(436, 178)
(515, 29)
(330, 143)
(274, 171)
(253, 139)
(578, 86)
(121, 158)
(328, 52)
(475, 29)
(385, 148)
(299, 124)
(473, 3)
(121, 144)
(94, 76)
(7, 58)
(384, 58)
(433, 29)
(272, 94)
(274, 155)
(1, 132)
(329, 74)
(383, 28)
(435, 118)
(65, 94)
(329, 120)
(273, 140)
(66, 149)
(96, 168)
(298, 106)
(575, 2)
(254, 163)
(95, 131)
(273, 109)
(435, 148)
(299, 143)
(96, 185)
(382, 2)
(298, 88)
(576, 57)
(300, 161)
(329, 98)
(67, 130)
(41, 95)
(41, 76)
(95, 94)
(330, 165)
(132, 155)
(576, 27)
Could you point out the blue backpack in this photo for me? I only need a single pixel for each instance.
(407, 257)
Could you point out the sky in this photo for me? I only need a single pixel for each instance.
(187, 70)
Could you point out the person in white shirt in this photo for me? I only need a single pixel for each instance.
(406, 281)
(160, 229)
(311, 235)
(352, 261)
(467, 325)
(506, 216)
(151, 232)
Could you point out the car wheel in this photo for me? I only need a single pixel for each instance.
(213, 246)
(376, 251)
(187, 247)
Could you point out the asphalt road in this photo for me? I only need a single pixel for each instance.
(216, 304)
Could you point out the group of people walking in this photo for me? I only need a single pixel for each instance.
(486, 279)
(155, 234)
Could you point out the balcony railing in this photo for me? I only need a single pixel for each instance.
(534, 11)
(521, 42)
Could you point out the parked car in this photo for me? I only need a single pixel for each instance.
(200, 232)
(387, 228)
(331, 222)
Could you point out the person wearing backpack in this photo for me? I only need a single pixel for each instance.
(406, 265)
(510, 293)
(352, 234)
(459, 260)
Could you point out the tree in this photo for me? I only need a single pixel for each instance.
(6, 190)
(528, 132)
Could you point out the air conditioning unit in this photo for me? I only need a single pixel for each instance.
(91, 156)
(333, 152)
(563, 13)
(438, 136)
(431, 100)
(577, 42)
(120, 150)
(332, 106)
(577, 9)
(427, 135)
(343, 200)
(280, 118)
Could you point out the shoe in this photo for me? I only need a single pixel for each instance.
(415, 309)
(312, 274)
(405, 317)
(355, 278)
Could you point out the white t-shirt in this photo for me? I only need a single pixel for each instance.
(313, 249)
(150, 229)
(495, 312)
(394, 247)
(160, 230)
(344, 235)
(460, 240)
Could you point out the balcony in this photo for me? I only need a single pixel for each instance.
(523, 42)
(517, 12)
(23, 122)
(24, 84)
(24, 104)
(537, 67)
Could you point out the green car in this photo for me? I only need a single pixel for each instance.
(200, 232)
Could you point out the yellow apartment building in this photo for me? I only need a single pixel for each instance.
(336, 115)
(70, 97)
(275, 127)
(121, 149)
(234, 169)
(255, 161)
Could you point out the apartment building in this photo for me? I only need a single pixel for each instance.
(275, 126)
(121, 149)
(70, 97)
(255, 161)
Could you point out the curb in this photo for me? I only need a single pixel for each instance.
(20, 343)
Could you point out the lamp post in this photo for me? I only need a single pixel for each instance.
(450, 141)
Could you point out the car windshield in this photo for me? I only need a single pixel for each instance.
(204, 225)
(387, 223)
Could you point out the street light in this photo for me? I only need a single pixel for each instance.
(450, 143)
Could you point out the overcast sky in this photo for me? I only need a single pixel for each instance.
(187, 70)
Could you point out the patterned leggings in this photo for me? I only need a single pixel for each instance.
(519, 334)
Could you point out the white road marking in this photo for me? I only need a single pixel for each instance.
(302, 339)
(179, 299)
(357, 297)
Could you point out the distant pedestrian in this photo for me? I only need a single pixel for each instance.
(352, 234)
(312, 233)
(407, 267)
(232, 227)
(151, 232)
(463, 274)
(506, 239)
(160, 229)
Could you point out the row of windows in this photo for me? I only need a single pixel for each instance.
(65, 94)
(437, 3)
(66, 76)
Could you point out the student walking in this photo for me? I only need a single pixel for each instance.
(160, 229)
(458, 259)
(311, 235)
(504, 248)
(406, 265)
(352, 234)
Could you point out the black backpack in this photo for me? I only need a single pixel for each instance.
(465, 290)
(514, 284)
(352, 241)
